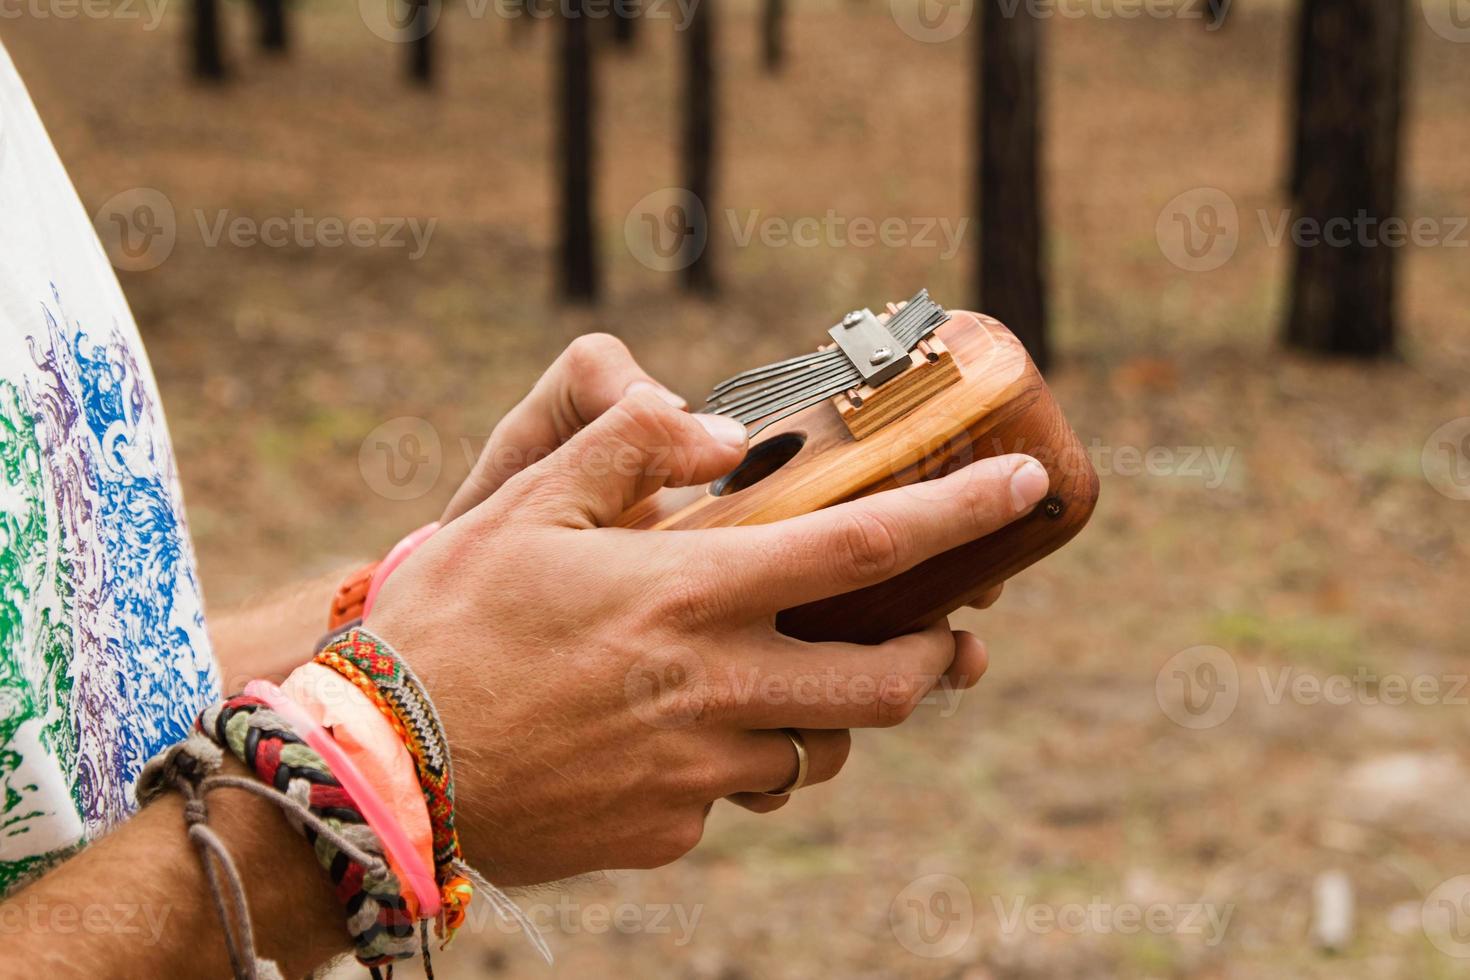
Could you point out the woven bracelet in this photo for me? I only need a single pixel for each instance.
(370, 664)
(378, 918)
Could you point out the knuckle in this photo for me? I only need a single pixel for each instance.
(681, 837)
(644, 424)
(868, 547)
(592, 353)
(688, 604)
(700, 781)
(898, 695)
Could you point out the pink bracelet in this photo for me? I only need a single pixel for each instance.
(407, 863)
(395, 557)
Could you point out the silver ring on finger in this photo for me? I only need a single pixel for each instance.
(802, 763)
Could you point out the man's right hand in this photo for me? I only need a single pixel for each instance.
(602, 687)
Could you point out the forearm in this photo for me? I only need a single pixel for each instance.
(274, 635)
(137, 903)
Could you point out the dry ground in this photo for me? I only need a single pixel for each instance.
(1320, 549)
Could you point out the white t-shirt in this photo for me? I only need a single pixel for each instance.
(104, 659)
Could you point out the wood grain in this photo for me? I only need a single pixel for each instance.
(922, 380)
(1000, 405)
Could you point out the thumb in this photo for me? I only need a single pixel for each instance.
(640, 444)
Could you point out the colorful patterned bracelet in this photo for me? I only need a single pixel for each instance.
(370, 664)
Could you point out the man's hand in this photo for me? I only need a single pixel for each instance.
(590, 376)
(602, 687)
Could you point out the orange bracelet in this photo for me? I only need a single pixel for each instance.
(351, 596)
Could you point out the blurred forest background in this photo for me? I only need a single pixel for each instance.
(1272, 518)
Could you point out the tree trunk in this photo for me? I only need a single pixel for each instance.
(272, 25)
(208, 58)
(699, 146)
(625, 22)
(1347, 178)
(1304, 15)
(421, 44)
(1008, 188)
(577, 266)
(773, 50)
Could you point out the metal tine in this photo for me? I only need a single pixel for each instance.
(754, 374)
(922, 330)
(830, 385)
(769, 399)
(740, 401)
(911, 334)
(785, 375)
(792, 363)
(749, 413)
(785, 381)
(914, 312)
(792, 410)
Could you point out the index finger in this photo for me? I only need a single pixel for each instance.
(769, 567)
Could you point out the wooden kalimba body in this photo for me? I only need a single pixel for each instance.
(894, 400)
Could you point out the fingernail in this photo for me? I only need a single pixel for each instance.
(1028, 485)
(723, 428)
(658, 390)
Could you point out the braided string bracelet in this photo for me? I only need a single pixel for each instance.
(295, 778)
(371, 665)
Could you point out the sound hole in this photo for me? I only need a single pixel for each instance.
(760, 462)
